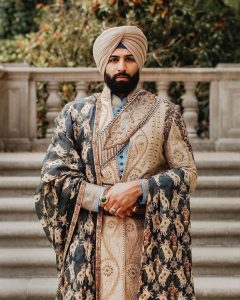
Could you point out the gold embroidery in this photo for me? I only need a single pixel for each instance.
(121, 240)
(145, 153)
(115, 135)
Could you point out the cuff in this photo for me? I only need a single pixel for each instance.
(91, 196)
(145, 189)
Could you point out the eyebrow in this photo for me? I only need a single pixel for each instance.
(128, 55)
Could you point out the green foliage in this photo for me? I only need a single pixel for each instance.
(180, 33)
(65, 37)
(17, 16)
(234, 3)
(12, 50)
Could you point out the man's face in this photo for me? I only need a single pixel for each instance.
(121, 74)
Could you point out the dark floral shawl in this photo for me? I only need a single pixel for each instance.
(166, 255)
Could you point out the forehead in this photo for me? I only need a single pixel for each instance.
(121, 52)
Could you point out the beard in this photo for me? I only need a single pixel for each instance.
(121, 87)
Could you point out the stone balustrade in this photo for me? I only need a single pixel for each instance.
(18, 101)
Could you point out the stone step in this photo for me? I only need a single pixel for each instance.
(215, 261)
(21, 164)
(17, 209)
(40, 262)
(217, 288)
(218, 186)
(216, 233)
(215, 208)
(27, 262)
(208, 186)
(11, 186)
(207, 288)
(217, 163)
(22, 234)
(212, 208)
(211, 233)
(28, 288)
(208, 163)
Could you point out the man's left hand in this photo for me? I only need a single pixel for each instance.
(121, 197)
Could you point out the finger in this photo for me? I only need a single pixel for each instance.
(120, 215)
(105, 197)
(113, 210)
(104, 202)
(129, 213)
(121, 210)
(109, 205)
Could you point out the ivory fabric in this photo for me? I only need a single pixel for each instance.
(121, 247)
(130, 36)
(122, 240)
(160, 261)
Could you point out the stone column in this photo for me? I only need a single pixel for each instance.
(224, 111)
(190, 105)
(81, 88)
(53, 104)
(162, 89)
(16, 108)
(1, 111)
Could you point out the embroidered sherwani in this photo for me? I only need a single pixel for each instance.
(147, 256)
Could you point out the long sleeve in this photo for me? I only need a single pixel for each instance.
(177, 151)
(66, 175)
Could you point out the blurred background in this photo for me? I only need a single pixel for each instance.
(181, 33)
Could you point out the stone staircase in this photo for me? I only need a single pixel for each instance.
(27, 262)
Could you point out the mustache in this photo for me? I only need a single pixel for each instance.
(121, 74)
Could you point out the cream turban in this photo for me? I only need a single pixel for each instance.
(130, 36)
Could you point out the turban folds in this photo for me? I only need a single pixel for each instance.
(130, 36)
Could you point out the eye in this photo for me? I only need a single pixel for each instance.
(130, 58)
(113, 59)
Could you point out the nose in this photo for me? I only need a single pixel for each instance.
(121, 65)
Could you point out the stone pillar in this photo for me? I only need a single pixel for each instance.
(16, 113)
(1, 111)
(190, 105)
(53, 104)
(162, 89)
(81, 88)
(224, 112)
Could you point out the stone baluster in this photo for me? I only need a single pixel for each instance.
(53, 104)
(81, 88)
(162, 89)
(190, 105)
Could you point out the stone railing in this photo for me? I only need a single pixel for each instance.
(18, 101)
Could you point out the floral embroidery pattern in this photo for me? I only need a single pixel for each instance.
(166, 255)
(166, 260)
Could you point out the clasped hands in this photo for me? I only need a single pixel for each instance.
(121, 198)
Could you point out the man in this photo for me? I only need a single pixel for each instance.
(114, 192)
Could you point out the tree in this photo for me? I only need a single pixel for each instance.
(180, 33)
(17, 17)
